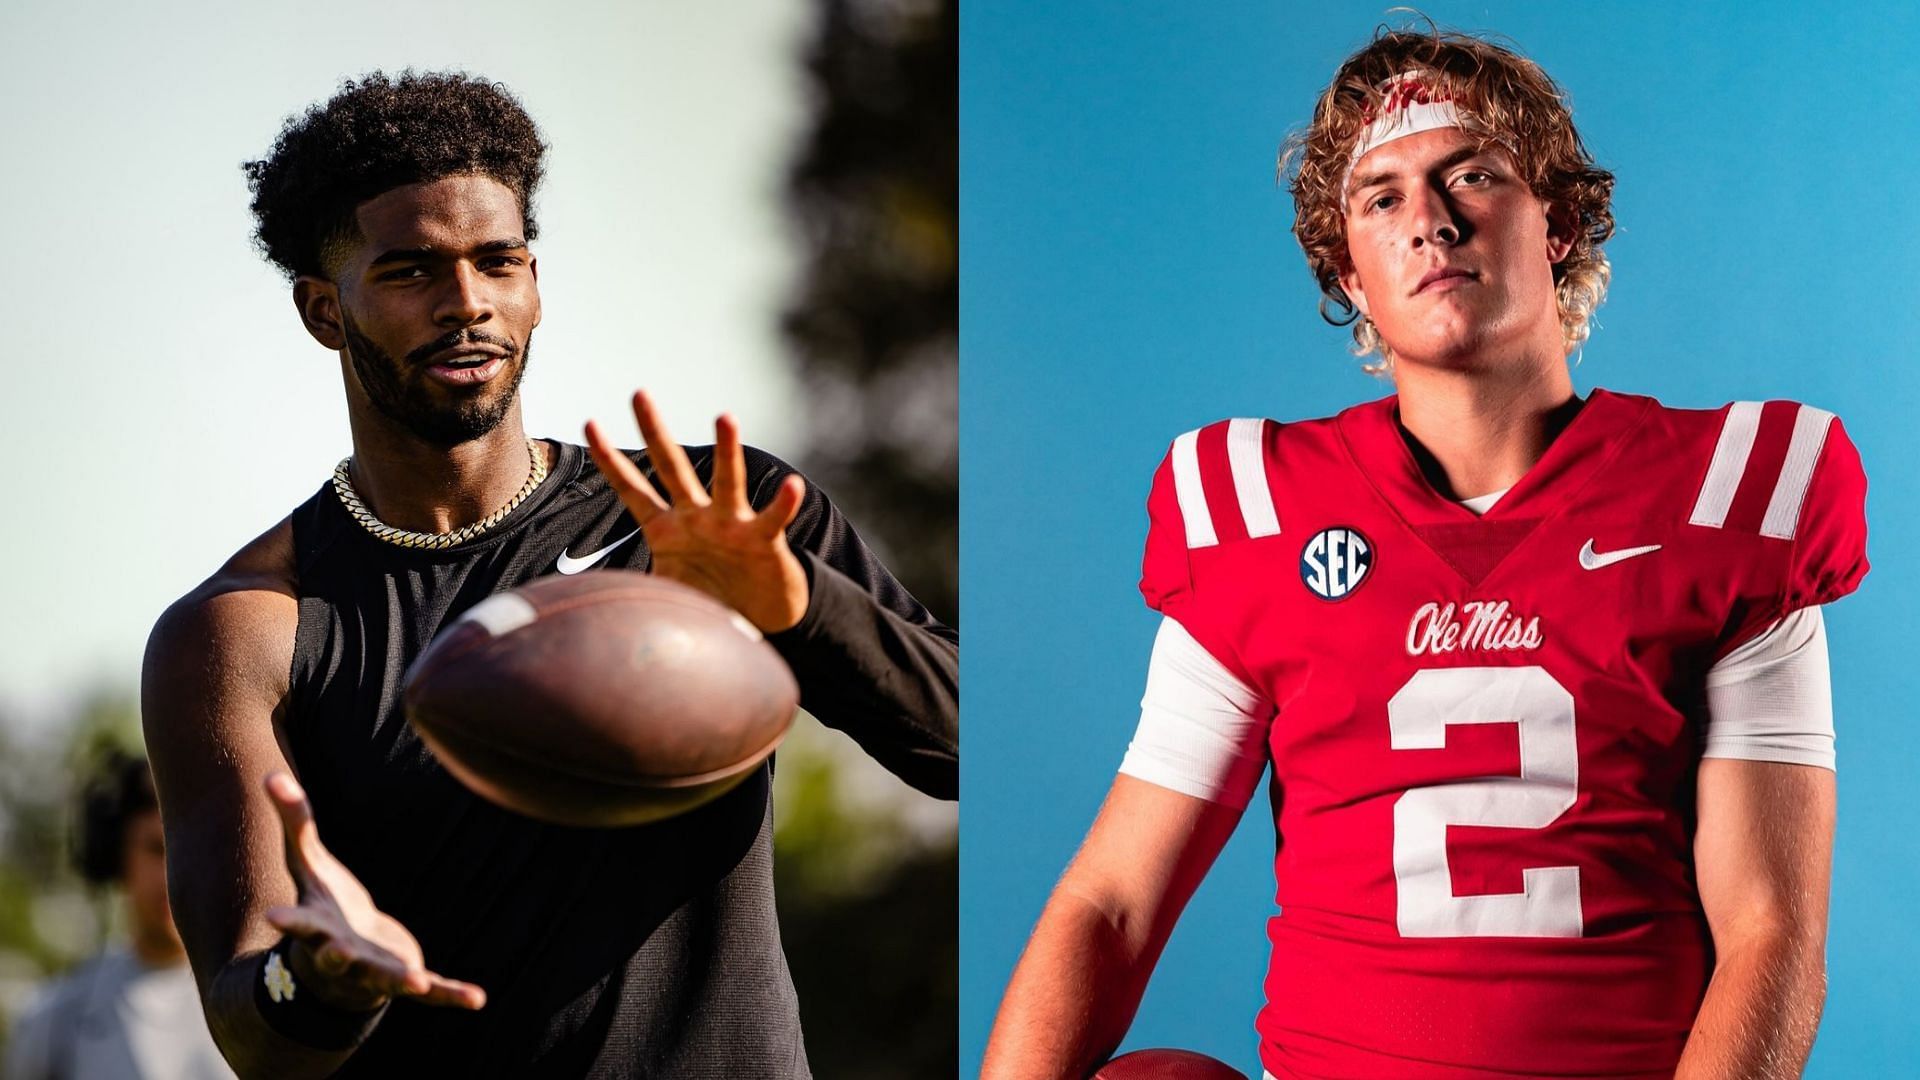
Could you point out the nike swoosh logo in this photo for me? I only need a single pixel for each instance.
(1594, 560)
(567, 564)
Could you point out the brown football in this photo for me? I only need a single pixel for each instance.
(1167, 1065)
(606, 698)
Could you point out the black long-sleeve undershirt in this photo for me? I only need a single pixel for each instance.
(870, 659)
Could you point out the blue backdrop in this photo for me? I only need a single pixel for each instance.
(1128, 274)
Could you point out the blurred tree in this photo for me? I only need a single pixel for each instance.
(875, 194)
(32, 849)
(869, 912)
(876, 971)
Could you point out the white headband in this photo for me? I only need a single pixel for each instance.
(1412, 102)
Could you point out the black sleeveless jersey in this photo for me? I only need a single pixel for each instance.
(650, 951)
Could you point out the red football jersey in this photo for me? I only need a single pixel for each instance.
(1488, 726)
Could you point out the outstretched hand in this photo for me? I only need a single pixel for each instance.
(715, 542)
(346, 951)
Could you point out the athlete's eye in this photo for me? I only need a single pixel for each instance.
(500, 262)
(1380, 204)
(404, 273)
(1473, 177)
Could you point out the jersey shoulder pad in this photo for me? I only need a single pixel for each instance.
(1215, 485)
(1787, 473)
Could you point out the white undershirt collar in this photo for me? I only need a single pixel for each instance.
(1480, 504)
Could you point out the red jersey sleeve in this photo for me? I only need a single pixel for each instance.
(1165, 575)
(1212, 494)
(1830, 537)
(1794, 490)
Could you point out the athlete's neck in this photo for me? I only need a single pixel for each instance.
(1479, 431)
(422, 487)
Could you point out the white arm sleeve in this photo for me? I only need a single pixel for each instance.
(1202, 731)
(1772, 698)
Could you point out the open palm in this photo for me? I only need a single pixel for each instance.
(348, 952)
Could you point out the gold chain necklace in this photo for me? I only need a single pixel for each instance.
(349, 498)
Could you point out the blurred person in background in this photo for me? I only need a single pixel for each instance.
(131, 1011)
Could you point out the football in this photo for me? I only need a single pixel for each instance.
(1162, 1064)
(602, 699)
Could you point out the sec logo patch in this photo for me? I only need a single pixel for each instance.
(1335, 562)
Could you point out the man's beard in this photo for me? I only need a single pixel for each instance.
(402, 393)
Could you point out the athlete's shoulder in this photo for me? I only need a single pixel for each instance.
(240, 621)
(1215, 484)
(1774, 492)
(261, 572)
(1226, 481)
(1771, 469)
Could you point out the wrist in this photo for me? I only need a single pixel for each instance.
(303, 1007)
(799, 600)
(796, 597)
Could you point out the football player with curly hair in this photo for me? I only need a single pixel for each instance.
(1542, 679)
(356, 921)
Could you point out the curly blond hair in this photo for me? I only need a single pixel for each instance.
(1516, 106)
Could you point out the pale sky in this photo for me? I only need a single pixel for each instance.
(161, 403)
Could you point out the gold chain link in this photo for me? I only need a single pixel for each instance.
(349, 498)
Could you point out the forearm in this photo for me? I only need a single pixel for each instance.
(1763, 849)
(250, 1044)
(891, 684)
(1076, 988)
(1072, 996)
(1761, 1010)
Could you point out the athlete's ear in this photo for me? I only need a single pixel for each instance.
(1563, 226)
(1350, 284)
(533, 267)
(318, 301)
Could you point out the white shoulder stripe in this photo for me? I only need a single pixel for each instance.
(1729, 464)
(1250, 477)
(1193, 497)
(1783, 509)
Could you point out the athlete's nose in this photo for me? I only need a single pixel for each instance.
(465, 299)
(1432, 219)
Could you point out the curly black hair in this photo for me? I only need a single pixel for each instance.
(377, 134)
(118, 786)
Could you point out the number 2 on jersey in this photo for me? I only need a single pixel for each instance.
(1548, 904)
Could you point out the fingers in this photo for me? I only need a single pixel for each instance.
(729, 467)
(428, 987)
(336, 953)
(779, 513)
(386, 974)
(670, 462)
(629, 483)
(296, 824)
(441, 990)
(675, 472)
